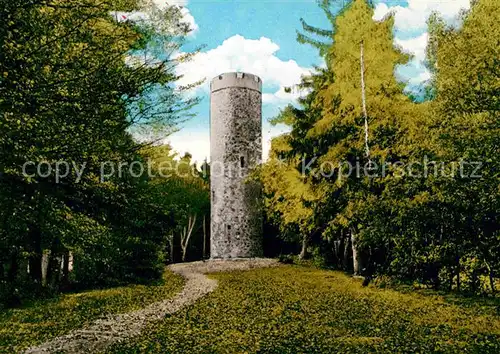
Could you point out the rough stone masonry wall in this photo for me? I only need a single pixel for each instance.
(236, 148)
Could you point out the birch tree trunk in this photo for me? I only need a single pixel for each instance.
(65, 268)
(303, 252)
(54, 269)
(186, 235)
(357, 256)
(45, 266)
(347, 251)
(363, 98)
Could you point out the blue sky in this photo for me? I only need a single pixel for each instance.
(258, 36)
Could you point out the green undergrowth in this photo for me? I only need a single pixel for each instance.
(39, 321)
(294, 309)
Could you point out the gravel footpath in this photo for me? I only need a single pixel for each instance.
(116, 328)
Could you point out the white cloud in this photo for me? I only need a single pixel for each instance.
(381, 10)
(413, 18)
(135, 16)
(268, 134)
(423, 76)
(188, 18)
(415, 46)
(415, 15)
(138, 16)
(164, 3)
(282, 97)
(186, 15)
(196, 143)
(256, 56)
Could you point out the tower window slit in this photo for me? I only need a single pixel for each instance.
(242, 161)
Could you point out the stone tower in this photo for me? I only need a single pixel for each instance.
(236, 148)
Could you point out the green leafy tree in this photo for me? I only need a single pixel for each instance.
(181, 193)
(466, 111)
(72, 91)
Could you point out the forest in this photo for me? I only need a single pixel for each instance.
(74, 90)
(377, 182)
(393, 187)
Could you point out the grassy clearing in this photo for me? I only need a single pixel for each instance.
(294, 309)
(41, 320)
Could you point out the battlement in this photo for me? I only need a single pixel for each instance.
(234, 79)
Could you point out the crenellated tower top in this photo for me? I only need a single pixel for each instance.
(236, 79)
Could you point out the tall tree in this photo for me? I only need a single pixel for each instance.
(466, 88)
(328, 133)
(69, 97)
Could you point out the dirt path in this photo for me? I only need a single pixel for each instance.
(115, 328)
